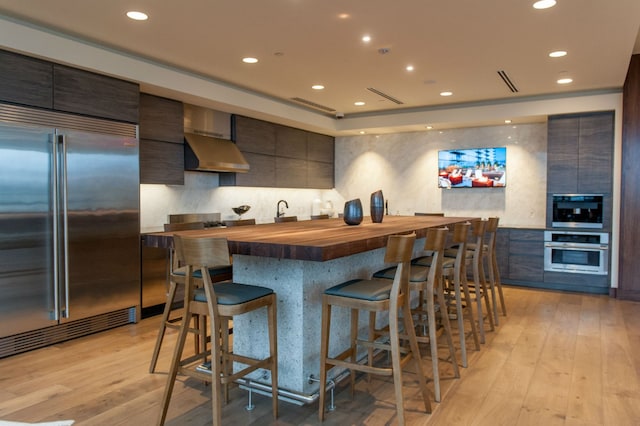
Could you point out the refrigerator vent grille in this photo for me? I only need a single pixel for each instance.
(22, 115)
(35, 339)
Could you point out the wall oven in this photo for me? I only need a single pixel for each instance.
(577, 252)
(577, 211)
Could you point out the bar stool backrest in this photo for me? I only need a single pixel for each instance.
(435, 243)
(283, 219)
(184, 226)
(201, 252)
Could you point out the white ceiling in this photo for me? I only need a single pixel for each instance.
(456, 45)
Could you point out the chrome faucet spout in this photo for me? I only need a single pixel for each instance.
(278, 213)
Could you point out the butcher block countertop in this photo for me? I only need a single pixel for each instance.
(316, 240)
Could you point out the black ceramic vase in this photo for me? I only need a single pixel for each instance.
(353, 212)
(377, 207)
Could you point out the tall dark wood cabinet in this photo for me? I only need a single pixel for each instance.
(580, 158)
(281, 156)
(629, 247)
(161, 140)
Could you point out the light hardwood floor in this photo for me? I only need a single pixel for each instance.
(556, 359)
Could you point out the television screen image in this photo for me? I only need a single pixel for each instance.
(472, 168)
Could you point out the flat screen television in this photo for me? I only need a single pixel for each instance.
(472, 168)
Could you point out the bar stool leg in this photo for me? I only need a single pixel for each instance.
(163, 326)
(324, 352)
(469, 305)
(273, 352)
(175, 366)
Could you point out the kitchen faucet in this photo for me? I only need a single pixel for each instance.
(278, 214)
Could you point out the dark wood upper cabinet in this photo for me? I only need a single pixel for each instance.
(24, 80)
(161, 140)
(161, 162)
(291, 143)
(281, 156)
(251, 135)
(320, 147)
(562, 154)
(580, 153)
(86, 93)
(161, 119)
(596, 153)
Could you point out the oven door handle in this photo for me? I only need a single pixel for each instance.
(573, 246)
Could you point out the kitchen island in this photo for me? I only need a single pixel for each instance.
(299, 260)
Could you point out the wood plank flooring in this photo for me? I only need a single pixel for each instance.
(557, 359)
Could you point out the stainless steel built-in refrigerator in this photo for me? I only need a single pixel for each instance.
(69, 227)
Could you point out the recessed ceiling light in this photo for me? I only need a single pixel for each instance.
(565, 80)
(137, 16)
(344, 16)
(558, 54)
(249, 60)
(446, 93)
(409, 68)
(317, 87)
(366, 39)
(544, 4)
(359, 103)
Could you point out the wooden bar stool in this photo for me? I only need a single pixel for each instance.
(455, 275)
(427, 281)
(474, 259)
(176, 278)
(218, 303)
(492, 266)
(375, 296)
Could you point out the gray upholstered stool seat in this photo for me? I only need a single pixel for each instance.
(362, 289)
(417, 273)
(228, 293)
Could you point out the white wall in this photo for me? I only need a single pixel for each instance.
(201, 194)
(405, 167)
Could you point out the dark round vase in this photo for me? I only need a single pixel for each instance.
(353, 212)
(377, 207)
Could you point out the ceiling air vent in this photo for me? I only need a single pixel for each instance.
(384, 95)
(313, 104)
(503, 75)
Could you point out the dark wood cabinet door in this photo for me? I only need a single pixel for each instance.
(320, 175)
(291, 143)
(526, 255)
(595, 159)
(251, 135)
(161, 162)
(320, 147)
(262, 173)
(25, 80)
(562, 154)
(161, 119)
(291, 173)
(83, 92)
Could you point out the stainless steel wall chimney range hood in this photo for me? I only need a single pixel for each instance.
(207, 147)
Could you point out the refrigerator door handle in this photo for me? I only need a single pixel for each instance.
(64, 311)
(55, 314)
